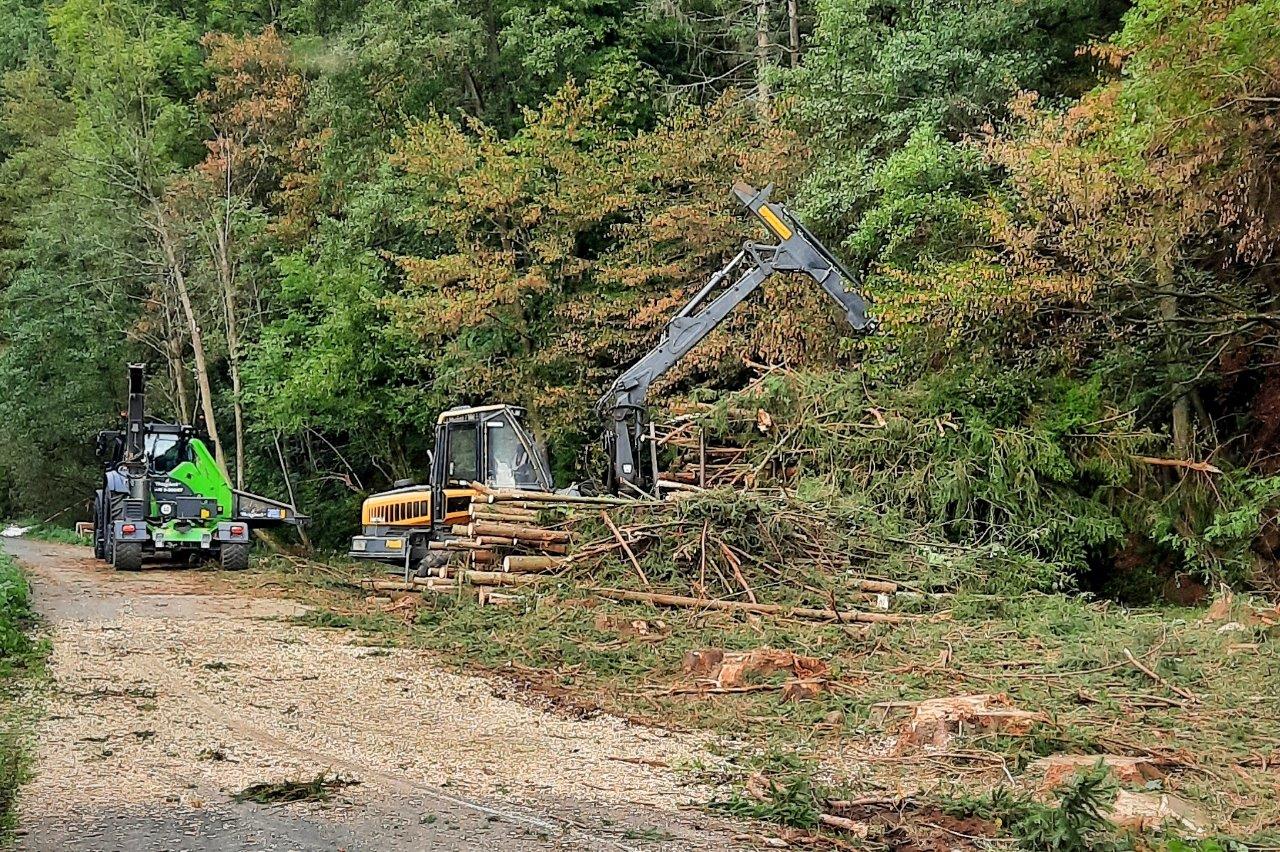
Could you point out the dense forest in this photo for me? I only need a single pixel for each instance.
(322, 222)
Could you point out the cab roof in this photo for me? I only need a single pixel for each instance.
(469, 411)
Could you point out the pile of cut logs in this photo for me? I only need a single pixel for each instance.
(520, 538)
(507, 535)
(700, 463)
(511, 538)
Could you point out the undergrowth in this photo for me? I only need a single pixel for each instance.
(1048, 475)
(60, 535)
(1076, 821)
(51, 532)
(21, 661)
(1056, 654)
(782, 791)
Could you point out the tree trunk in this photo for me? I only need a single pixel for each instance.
(846, 617)
(762, 55)
(1181, 417)
(473, 92)
(221, 249)
(169, 248)
(793, 20)
(177, 364)
(288, 484)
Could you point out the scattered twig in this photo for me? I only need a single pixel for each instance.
(846, 616)
(613, 528)
(1199, 466)
(1151, 673)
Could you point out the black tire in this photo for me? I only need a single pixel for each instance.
(127, 556)
(109, 543)
(234, 555)
(99, 527)
(113, 510)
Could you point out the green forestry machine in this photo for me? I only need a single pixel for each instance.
(162, 491)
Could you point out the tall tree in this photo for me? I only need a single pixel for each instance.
(133, 72)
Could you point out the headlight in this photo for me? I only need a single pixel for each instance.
(166, 509)
(358, 544)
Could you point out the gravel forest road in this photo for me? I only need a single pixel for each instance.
(169, 695)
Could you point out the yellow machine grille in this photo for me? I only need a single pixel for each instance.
(398, 510)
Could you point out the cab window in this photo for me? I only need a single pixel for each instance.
(510, 465)
(461, 462)
(167, 452)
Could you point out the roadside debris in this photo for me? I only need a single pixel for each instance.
(732, 670)
(528, 538)
(1151, 673)
(937, 721)
(1239, 617)
(318, 789)
(859, 830)
(14, 531)
(1151, 811)
(1058, 769)
(631, 628)
(844, 616)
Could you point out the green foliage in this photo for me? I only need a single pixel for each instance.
(1027, 467)
(789, 795)
(21, 657)
(60, 535)
(1076, 823)
(878, 75)
(15, 617)
(926, 209)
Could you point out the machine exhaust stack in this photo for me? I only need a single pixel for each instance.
(134, 462)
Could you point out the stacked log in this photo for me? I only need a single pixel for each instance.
(514, 540)
(700, 463)
(511, 538)
(508, 531)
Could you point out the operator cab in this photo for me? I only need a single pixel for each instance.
(488, 444)
(165, 446)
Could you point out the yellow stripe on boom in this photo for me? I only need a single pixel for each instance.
(775, 224)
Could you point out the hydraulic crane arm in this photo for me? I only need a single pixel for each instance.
(796, 252)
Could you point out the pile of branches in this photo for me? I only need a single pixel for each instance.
(967, 477)
(796, 495)
(715, 550)
(510, 538)
(737, 551)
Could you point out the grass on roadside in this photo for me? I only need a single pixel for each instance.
(51, 532)
(21, 661)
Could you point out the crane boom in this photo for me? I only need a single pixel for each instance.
(797, 252)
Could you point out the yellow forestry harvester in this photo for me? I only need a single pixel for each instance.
(490, 444)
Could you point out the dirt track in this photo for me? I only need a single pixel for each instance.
(168, 696)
